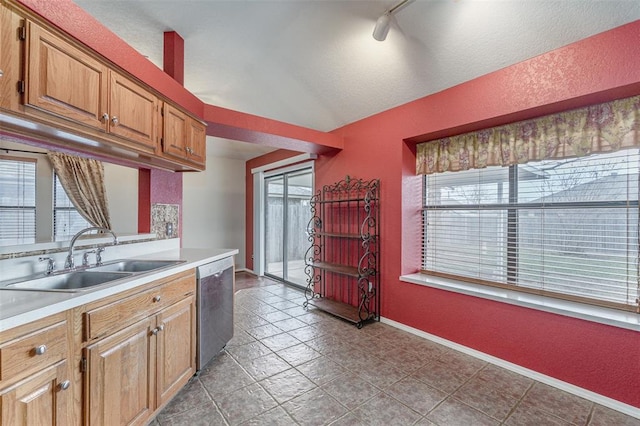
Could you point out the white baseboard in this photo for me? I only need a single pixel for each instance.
(548, 380)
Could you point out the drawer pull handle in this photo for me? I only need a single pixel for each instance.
(40, 350)
(65, 385)
(156, 299)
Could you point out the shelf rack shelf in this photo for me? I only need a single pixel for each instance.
(343, 276)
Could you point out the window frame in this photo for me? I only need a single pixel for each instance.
(511, 208)
(56, 209)
(35, 177)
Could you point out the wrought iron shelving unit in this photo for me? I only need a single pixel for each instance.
(342, 263)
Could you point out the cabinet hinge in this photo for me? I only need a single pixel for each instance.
(22, 32)
(162, 143)
(83, 365)
(162, 111)
(21, 86)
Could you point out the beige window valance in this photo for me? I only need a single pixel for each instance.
(598, 128)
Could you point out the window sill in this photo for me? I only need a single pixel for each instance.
(613, 317)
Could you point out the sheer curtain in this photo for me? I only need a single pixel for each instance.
(83, 181)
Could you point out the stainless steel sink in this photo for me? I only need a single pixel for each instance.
(85, 279)
(136, 266)
(73, 281)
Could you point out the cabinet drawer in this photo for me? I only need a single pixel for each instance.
(33, 351)
(114, 316)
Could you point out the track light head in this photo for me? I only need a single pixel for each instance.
(382, 27)
(384, 22)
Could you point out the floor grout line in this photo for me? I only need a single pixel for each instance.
(329, 329)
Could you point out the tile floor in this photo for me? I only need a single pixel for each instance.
(289, 366)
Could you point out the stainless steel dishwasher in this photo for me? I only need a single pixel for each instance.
(214, 308)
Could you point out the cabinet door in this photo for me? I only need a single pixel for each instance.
(176, 348)
(175, 132)
(133, 111)
(10, 59)
(44, 398)
(120, 375)
(197, 142)
(64, 81)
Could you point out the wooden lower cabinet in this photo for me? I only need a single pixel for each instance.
(134, 372)
(115, 361)
(176, 349)
(42, 399)
(36, 381)
(119, 377)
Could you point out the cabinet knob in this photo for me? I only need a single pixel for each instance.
(157, 330)
(40, 350)
(65, 385)
(105, 117)
(115, 120)
(156, 299)
(1, 73)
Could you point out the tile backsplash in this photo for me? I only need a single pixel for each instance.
(165, 219)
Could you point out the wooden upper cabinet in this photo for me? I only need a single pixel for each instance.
(63, 80)
(11, 59)
(133, 112)
(79, 99)
(174, 131)
(183, 136)
(197, 142)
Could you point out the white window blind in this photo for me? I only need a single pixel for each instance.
(66, 219)
(566, 228)
(17, 200)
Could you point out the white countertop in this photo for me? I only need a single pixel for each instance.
(18, 307)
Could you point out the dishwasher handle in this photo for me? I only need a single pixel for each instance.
(215, 268)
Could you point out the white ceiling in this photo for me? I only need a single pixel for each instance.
(314, 63)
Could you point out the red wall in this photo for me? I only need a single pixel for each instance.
(599, 358)
(157, 186)
(596, 357)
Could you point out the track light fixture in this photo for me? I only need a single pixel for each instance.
(384, 21)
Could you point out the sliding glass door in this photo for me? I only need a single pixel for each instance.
(287, 213)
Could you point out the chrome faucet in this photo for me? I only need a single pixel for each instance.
(85, 257)
(99, 251)
(51, 265)
(69, 263)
